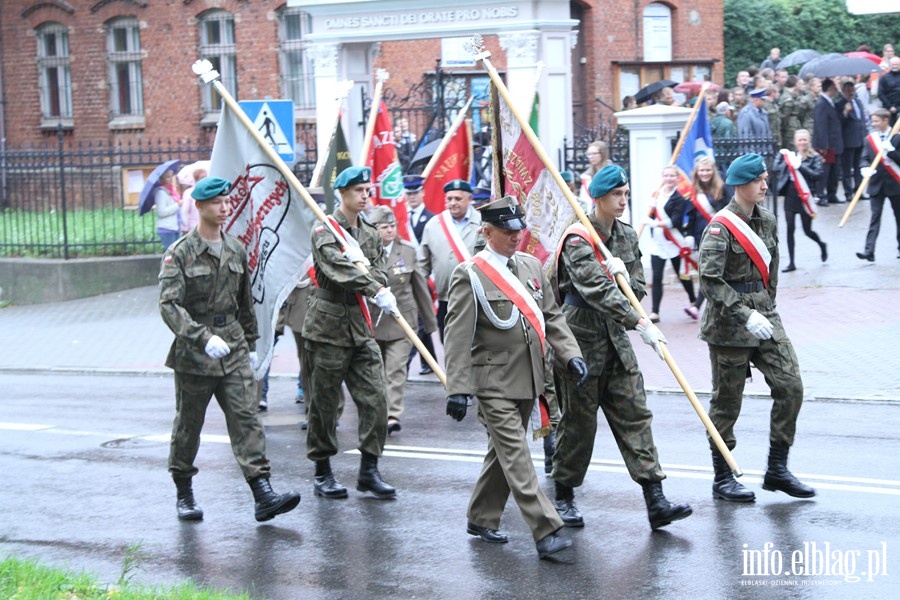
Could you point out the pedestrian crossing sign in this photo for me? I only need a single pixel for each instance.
(274, 120)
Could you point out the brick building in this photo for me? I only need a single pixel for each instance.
(119, 70)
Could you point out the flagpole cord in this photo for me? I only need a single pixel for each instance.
(482, 55)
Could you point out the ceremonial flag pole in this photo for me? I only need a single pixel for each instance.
(344, 88)
(381, 76)
(204, 69)
(459, 120)
(865, 182)
(476, 45)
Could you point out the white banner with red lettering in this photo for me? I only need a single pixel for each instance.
(269, 218)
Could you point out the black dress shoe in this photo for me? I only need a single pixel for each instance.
(426, 370)
(492, 536)
(789, 268)
(868, 257)
(393, 427)
(822, 203)
(551, 545)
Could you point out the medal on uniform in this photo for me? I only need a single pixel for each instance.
(535, 286)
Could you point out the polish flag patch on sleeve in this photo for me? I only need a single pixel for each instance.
(715, 231)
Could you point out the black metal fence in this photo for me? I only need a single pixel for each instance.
(64, 200)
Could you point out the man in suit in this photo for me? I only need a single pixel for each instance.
(828, 140)
(418, 217)
(413, 299)
(447, 240)
(500, 317)
(853, 130)
(885, 180)
(599, 315)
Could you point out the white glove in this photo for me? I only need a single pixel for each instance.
(355, 255)
(652, 336)
(887, 146)
(759, 326)
(794, 159)
(217, 348)
(386, 301)
(616, 266)
(689, 241)
(254, 360)
(867, 172)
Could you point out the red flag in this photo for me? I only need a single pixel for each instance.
(455, 162)
(385, 165)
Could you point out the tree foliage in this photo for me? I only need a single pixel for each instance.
(753, 27)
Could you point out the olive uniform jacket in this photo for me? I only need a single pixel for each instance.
(334, 315)
(436, 255)
(723, 261)
(501, 363)
(411, 291)
(201, 295)
(597, 310)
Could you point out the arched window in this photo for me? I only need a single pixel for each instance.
(123, 57)
(55, 79)
(217, 46)
(657, 33)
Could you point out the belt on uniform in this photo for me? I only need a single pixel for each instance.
(575, 300)
(745, 288)
(215, 320)
(336, 297)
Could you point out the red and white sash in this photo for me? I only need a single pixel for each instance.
(452, 235)
(748, 239)
(685, 251)
(874, 140)
(509, 284)
(702, 205)
(363, 305)
(582, 232)
(799, 182)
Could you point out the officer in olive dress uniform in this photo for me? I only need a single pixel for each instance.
(339, 341)
(413, 299)
(205, 299)
(741, 326)
(599, 314)
(494, 346)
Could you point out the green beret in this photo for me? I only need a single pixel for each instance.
(567, 176)
(353, 176)
(458, 185)
(382, 214)
(210, 187)
(745, 169)
(607, 179)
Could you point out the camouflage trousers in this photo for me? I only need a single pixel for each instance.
(236, 394)
(778, 364)
(620, 393)
(360, 367)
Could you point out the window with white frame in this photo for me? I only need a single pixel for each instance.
(55, 79)
(217, 46)
(657, 23)
(297, 79)
(123, 55)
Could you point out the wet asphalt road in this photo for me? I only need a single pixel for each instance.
(85, 457)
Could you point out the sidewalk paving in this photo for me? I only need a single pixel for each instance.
(842, 316)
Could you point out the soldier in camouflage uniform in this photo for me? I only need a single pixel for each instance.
(205, 299)
(809, 94)
(338, 338)
(741, 326)
(789, 106)
(599, 313)
(772, 111)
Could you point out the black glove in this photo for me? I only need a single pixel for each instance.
(456, 406)
(578, 368)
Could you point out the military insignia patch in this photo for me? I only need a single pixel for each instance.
(715, 230)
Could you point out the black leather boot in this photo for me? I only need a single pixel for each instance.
(779, 479)
(660, 511)
(725, 486)
(326, 486)
(370, 479)
(268, 503)
(549, 449)
(187, 507)
(565, 506)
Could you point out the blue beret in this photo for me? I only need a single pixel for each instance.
(758, 93)
(745, 169)
(413, 183)
(458, 185)
(567, 176)
(210, 187)
(352, 176)
(607, 179)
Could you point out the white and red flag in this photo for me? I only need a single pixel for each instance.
(269, 218)
(386, 174)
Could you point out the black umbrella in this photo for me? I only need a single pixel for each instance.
(647, 91)
(145, 199)
(798, 57)
(839, 66)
